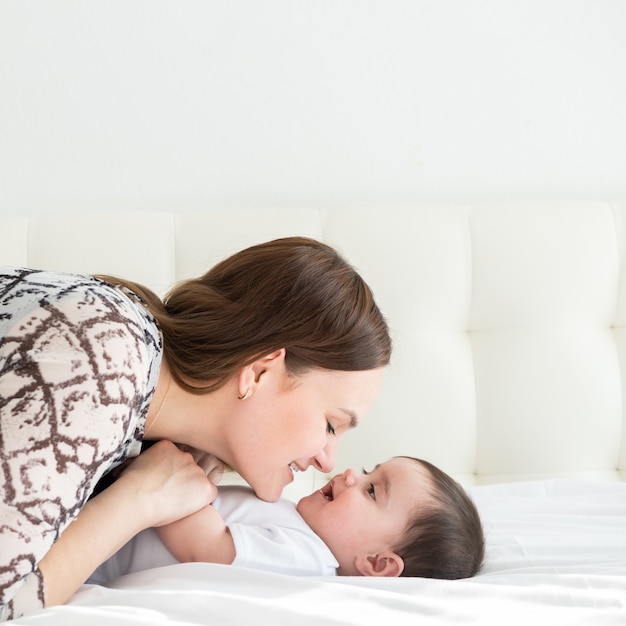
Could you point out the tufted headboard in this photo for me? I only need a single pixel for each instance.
(508, 320)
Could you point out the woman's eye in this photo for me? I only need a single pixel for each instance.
(371, 491)
(329, 428)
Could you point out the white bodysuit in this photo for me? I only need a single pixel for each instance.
(270, 536)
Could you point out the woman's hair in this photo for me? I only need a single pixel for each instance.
(445, 538)
(294, 293)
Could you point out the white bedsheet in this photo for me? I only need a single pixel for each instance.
(556, 555)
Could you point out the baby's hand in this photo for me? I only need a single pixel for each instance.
(213, 467)
(168, 483)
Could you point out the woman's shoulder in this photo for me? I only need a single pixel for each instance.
(81, 319)
(95, 349)
(76, 298)
(22, 287)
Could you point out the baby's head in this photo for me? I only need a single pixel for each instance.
(404, 518)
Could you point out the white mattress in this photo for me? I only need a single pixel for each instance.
(556, 554)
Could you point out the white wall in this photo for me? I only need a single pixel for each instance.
(193, 103)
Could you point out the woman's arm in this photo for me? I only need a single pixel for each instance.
(201, 536)
(162, 484)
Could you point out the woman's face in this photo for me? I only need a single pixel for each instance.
(296, 422)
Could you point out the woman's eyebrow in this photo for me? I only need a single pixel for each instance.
(354, 420)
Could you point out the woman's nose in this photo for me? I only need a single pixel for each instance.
(325, 460)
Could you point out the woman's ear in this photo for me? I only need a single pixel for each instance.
(274, 361)
(385, 564)
(251, 375)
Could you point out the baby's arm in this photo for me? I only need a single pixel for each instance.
(199, 537)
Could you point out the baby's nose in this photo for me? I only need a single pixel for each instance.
(350, 477)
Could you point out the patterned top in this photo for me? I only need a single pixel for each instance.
(79, 361)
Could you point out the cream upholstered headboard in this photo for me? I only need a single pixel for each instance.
(508, 320)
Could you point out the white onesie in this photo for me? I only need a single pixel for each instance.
(269, 536)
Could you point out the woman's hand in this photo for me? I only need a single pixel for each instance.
(161, 485)
(167, 483)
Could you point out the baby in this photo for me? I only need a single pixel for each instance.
(404, 518)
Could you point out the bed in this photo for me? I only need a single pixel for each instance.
(509, 371)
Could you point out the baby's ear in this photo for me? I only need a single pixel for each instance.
(384, 564)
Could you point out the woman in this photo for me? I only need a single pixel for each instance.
(263, 362)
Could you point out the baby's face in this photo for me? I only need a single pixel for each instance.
(366, 513)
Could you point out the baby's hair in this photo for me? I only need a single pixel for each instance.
(444, 539)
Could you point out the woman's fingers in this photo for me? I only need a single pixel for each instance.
(169, 483)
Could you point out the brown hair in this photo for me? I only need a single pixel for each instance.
(444, 539)
(294, 293)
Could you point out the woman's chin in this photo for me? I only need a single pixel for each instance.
(269, 491)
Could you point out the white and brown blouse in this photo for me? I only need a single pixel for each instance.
(79, 361)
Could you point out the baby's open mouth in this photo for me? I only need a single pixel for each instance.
(327, 491)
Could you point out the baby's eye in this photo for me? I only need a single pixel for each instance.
(371, 491)
(329, 428)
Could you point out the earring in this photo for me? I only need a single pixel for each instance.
(246, 395)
